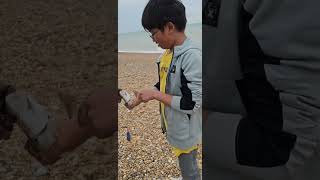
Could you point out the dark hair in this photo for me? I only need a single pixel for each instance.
(158, 13)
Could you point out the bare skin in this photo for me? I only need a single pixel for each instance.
(97, 116)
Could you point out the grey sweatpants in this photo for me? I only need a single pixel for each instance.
(189, 166)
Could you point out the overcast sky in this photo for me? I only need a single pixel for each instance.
(130, 11)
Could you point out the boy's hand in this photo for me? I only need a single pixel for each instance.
(147, 94)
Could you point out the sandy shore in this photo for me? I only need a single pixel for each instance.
(148, 155)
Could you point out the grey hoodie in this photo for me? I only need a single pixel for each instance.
(288, 31)
(184, 83)
(277, 45)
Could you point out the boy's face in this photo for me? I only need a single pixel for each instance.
(164, 38)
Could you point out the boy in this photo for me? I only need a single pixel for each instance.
(179, 89)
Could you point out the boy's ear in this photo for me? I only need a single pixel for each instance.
(170, 26)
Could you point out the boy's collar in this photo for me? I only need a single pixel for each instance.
(177, 50)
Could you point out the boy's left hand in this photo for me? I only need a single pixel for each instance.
(147, 94)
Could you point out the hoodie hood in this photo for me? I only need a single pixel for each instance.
(185, 46)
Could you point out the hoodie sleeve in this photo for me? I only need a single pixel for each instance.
(191, 84)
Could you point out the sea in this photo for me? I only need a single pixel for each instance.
(140, 42)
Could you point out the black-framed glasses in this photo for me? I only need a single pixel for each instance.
(153, 34)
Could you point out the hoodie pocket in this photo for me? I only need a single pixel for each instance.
(179, 125)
